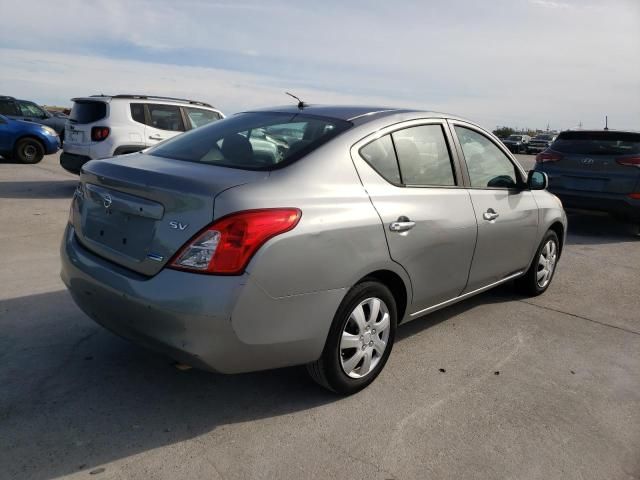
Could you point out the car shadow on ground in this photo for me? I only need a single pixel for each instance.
(594, 228)
(38, 189)
(87, 398)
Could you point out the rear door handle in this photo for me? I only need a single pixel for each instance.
(155, 137)
(490, 214)
(403, 224)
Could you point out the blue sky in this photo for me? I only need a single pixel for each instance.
(520, 62)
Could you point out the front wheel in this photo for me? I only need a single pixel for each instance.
(360, 340)
(540, 273)
(29, 150)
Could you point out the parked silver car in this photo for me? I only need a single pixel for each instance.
(233, 257)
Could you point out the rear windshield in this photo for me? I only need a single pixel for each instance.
(87, 111)
(543, 137)
(252, 141)
(598, 143)
(515, 137)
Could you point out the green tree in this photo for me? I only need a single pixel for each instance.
(503, 132)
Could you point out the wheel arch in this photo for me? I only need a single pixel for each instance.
(395, 284)
(29, 137)
(558, 228)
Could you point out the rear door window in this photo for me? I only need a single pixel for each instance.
(423, 156)
(87, 111)
(198, 117)
(165, 117)
(488, 166)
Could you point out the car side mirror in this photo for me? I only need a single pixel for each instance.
(537, 180)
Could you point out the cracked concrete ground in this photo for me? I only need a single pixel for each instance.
(543, 388)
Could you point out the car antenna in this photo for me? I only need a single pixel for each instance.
(606, 122)
(301, 104)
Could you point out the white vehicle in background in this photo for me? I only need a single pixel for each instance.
(102, 126)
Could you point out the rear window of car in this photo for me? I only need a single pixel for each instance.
(598, 143)
(87, 111)
(253, 141)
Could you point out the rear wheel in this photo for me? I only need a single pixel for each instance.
(360, 340)
(539, 276)
(29, 150)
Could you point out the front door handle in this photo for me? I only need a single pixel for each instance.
(155, 137)
(490, 214)
(403, 224)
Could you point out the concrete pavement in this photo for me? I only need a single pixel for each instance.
(540, 388)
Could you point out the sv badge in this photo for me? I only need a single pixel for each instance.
(177, 225)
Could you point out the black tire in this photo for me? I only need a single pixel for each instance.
(29, 150)
(327, 370)
(528, 284)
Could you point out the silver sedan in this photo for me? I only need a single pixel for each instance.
(304, 236)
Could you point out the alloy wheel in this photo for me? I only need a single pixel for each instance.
(546, 263)
(365, 337)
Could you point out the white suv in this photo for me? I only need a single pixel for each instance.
(102, 126)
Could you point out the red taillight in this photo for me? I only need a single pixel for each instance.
(629, 161)
(227, 245)
(99, 133)
(635, 196)
(548, 156)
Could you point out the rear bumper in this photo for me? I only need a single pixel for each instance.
(72, 162)
(536, 148)
(617, 204)
(226, 324)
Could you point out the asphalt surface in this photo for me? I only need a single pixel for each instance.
(496, 387)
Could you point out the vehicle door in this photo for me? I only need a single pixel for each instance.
(162, 122)
(506, 211)
(415, 185)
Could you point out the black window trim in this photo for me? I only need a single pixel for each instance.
(455, 168)
(521, 185)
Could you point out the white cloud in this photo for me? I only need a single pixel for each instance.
(525, 63)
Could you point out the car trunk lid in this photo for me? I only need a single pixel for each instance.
(139, 211)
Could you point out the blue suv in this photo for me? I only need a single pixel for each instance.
(25, 141)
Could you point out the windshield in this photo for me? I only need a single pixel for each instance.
(252, 141)
(598, 143)
(546, 138)
(515, 138)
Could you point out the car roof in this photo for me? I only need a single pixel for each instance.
(149, 98)
(356, 114)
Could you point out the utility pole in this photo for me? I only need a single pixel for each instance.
(580, 125)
